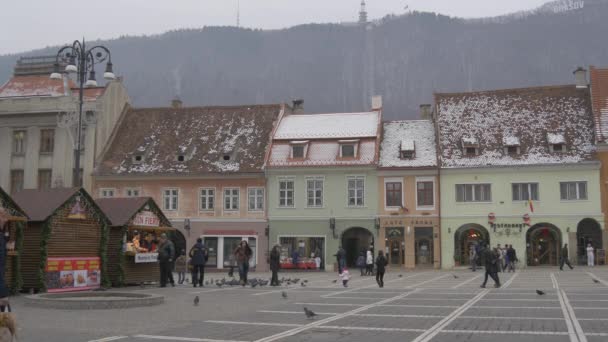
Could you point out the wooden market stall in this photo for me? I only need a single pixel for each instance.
(136, 224)
(15, 218)
(64, 244)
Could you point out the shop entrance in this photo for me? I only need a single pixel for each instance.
(543, 243)
(424, 246)
(588, 231)
(395, 246)
(179, 241)
(467, 237)
(354, 241)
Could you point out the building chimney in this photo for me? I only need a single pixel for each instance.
(176, 102)
(297, 106)
(425, 111)
(377, 102)
(580, 77)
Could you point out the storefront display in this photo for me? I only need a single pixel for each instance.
(136, 225)
(302, 253)
(221, 250)
(72, 274)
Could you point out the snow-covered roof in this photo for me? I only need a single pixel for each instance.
(408, 145)
(599, 95)
(203, 134)
(420, 133)
(328, 126)
(527, 113)
(38, 85)
(469, 141)
(510, 140)
(555, 138)
(323, 153)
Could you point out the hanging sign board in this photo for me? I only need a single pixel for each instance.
(146, 219)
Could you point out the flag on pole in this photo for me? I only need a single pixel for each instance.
(531, 205)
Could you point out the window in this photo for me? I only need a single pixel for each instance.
(19, 142)
(559, 148)
(425, 194)
(256, 199)
(314, 192)
(356, 191)
(207, 199)
(512, 150)
(407, 154)
(138, 159)
(394, 194)
(231, 199)
(16, 181)
(180, 158)
(107, 193)
(525, 191)
(473, 193)
(45, 179)
(470, 151)
(572, 191)
(47, 140)
(347, 150)
(286, 193)
(170, 199)
(297, 151)
(132, 192)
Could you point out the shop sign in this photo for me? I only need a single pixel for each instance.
(507, 225)
(141, 258)
(403, 222)
(72, 274)
(146, 219)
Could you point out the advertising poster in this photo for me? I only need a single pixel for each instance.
(72, 274)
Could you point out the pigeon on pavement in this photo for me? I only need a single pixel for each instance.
(284, 295)
(334, 281)
(196, 300)
(142, 285)
(309, 313)
(401, 276)
(596, 281)
(455, 276)
(302, 284)
(539, 292)
(306, 280)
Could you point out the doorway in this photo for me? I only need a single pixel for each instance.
(467, 237)
(354, 241)
(588, 231)
(543, 243)
(424, 246)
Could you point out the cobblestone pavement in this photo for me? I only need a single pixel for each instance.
(415, 306)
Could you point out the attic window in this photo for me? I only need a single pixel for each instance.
(470, 146)
(298, 149)
(180, 158)
(557, 142)
(138, 159)
(226, 157)
(511, 144)
(408, 149)
(348, 148)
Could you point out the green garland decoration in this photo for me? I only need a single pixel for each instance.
(103, 255)
(17, 281)
(44, 239)
(121, 259)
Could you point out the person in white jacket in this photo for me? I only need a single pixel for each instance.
(590, 255)
(369, 261)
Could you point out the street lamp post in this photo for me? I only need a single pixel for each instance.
(81, 60)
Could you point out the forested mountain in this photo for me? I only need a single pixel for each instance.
(337, 67)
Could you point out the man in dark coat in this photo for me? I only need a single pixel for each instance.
(512, 257)
(166, 255)
(199, 255)
(491, 262)
(275, 264)
(341, 259)
(564, 258)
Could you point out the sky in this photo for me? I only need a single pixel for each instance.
(31, 24)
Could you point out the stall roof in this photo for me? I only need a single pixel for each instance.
(39, 205)
(121, 210)
(13, 210)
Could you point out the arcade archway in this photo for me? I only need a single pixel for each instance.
(543, 242)
(354, 241)
(179, 241)
(466, 237)
(588, 231)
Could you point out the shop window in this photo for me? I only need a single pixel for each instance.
(573, 191)
(308, 253)
(286, 193)
(212, 244)
(170, 199)
(394, 194)
(314, 192)
(230, 245)
(45, 179)
(19, 142)
(473, 193)
(356, 191)
(425, 194)
(207, 199)
(47, 140)
(525, 191)
(16, 181)
(231, 199)
(256, 199)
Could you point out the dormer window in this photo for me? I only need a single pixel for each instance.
(408, 149)
(226, 157)
(180, 158)
(298, 149)
(138, 159)
(470, 146)
(348, 148)
(511, 145)
(557, 142)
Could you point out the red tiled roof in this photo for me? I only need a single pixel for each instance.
(599, 98)
(38, 85)
(90, 94)
(121, 210)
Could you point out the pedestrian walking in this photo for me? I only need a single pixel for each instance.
(181, 266)
(369, 261)
(564, 258)
(491, 263)
(243, 254)
(199, 256)
(473, 258)
(341, 259)
(590, 255)
(381, 263)
(361, 263)
(345, 276)
(166, 255)
(512, 258)
(275, 263)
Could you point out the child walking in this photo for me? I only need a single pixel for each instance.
(345, 276)
(381, 263)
